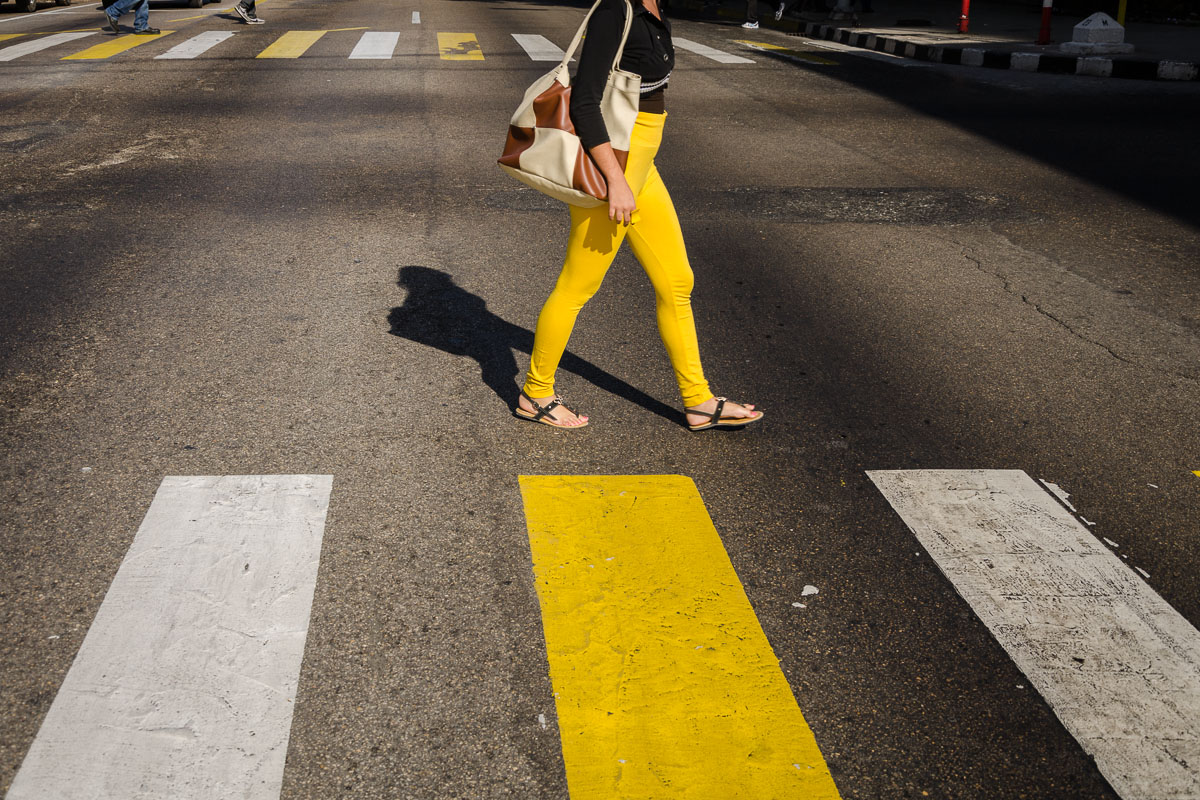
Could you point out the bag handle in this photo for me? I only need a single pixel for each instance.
(583, 27)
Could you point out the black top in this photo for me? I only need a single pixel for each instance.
(648, 52)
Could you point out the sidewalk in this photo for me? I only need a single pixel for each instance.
(1001, 35)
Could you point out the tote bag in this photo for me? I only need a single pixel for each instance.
(543, 149)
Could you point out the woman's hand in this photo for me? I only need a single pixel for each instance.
(621, 203)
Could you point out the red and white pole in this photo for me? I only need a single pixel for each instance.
(966, 13)
(1044, 35)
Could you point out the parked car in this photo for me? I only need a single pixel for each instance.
(31, 5)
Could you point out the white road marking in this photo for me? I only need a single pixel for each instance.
(416, 18)
(709, 52)
(197, 44)
(1115, 661)
(73, 10)
(887, 58)
(41, 43)
(185, 683)
(376, 44)
(539, 48)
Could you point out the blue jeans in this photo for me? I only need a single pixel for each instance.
(141, 18)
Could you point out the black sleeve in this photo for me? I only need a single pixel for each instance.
(599, 48)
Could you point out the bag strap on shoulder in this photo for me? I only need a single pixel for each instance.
(583, 27)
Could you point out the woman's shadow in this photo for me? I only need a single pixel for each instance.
(438, 313)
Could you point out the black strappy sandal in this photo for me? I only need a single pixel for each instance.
(715, 420)
(542, 414)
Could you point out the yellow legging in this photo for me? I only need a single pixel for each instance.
(657, 243)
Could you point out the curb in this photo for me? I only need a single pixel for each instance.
(1091, 66)
(1094, 66)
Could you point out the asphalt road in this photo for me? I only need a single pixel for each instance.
(231, 265)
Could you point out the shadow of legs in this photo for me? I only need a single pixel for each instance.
(440, 314)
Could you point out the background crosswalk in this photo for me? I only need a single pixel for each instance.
(292, 44)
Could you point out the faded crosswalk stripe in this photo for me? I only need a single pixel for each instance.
(197, 44)
(539, 48)
(375, 44)
(459, 47)
(788, 53)
(115, 46)
(665, 684)
(184, 685)
(1115, 661)
(292, 44)
(42, 43)
(710, 52)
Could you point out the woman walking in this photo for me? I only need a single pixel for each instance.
(638, 207)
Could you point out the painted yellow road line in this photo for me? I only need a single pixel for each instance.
(335, 30)
(4, 37)
(665, 684)
(787, 52)
(292, 44)
(113, 47)
(1196, 472)
(459, 47)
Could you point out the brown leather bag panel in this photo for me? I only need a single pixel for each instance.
(588, 177)
(552, 108)
(519, 140)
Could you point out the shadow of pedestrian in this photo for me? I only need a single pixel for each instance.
(438, 313)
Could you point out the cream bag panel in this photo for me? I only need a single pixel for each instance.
(619, 107)
(552, 155)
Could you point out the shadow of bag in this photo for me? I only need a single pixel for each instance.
(543, 150)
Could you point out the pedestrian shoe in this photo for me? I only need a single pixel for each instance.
(112, 24)
(256, 20)
(779, 12)
(716, 420)
(750, 25)
(247, 17)
(148, 32)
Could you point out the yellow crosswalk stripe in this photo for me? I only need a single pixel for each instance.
(665, 684)
(4, 37)
(292, 44)
(459, 47)
(788, 52)
(1196, 472)
(114, 46)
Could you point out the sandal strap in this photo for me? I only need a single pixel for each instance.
(714, 415)
(542, 411)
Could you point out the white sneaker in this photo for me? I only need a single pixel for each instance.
(779, 12)
(750, 25)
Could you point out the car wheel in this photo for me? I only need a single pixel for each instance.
(196, 3)
(27, 5)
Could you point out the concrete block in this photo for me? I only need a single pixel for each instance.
(1096, 67)
(1095, 48)
(972, 57)
(1176, 71)
(1025, 62)
(1099, 27)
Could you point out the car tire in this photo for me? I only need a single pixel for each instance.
(27, 5)
(196, 3)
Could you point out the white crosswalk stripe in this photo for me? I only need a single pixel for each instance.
(1115, 661)
(196, 45)
(710, 52)
(539, 48)
(42, 43)
(185, 683)
(376, 44)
